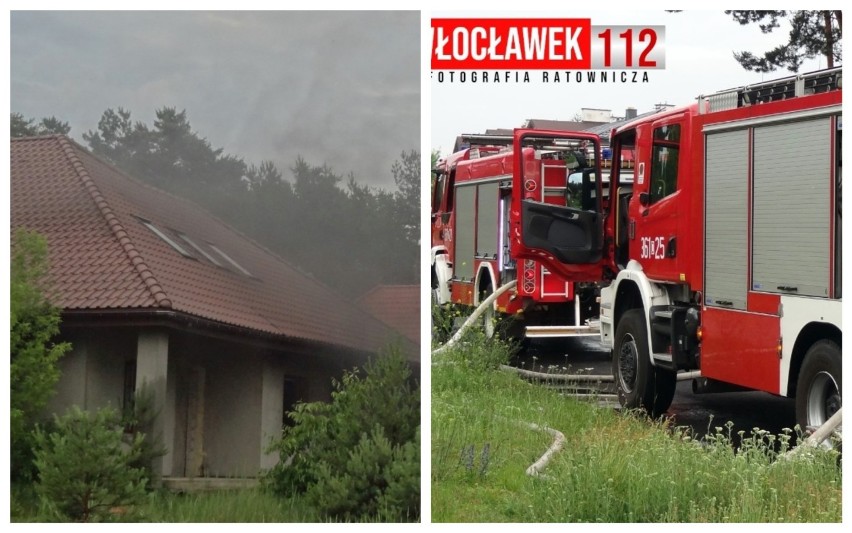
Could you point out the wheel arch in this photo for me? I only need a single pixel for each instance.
(633, 290)
(627, 296)
(484, 277)
(442, 272)
(438, 250)
(812, 333)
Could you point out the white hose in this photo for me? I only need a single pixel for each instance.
(536, 468)
(475, 316)
(817, 437)
(580, 378)
(825, 430)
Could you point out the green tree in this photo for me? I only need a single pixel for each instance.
(436, 155)
(138, 419)
(407, 176)
(812, 34)
(121, 141)
(349, 236)
(33, 352)
(85, 468)
(170, 155)
(357, 456)
(28, 127)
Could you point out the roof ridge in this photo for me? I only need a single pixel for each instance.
(36, 137)
(115, 225)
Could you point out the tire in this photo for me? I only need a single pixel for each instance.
(819, 385)
(640, 385)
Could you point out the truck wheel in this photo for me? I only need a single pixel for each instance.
(639, 384)
(819, 385)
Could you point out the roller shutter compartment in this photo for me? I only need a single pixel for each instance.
(791, 213)
(726, 222)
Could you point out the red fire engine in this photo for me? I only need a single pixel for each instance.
(472, 199)
(722, 247)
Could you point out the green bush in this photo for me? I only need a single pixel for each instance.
(33, 354)
(84, 468)
(138, 421)
(357, 457)
(377, 479)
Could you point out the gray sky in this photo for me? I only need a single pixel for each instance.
(698, 55)
(336, 87)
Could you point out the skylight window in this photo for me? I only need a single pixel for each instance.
(199, 249)
(229, 260)
(183, 244)
(156, 231)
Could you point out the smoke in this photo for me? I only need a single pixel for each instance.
(341, 88)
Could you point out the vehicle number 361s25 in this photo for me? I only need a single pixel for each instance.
(653, 248)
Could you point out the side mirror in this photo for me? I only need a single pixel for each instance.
(644, 198)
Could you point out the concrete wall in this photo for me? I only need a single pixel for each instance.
(92, 373)
(233, 413)
(243, 403)
(222, 402)
(156, 376)
(272, 409)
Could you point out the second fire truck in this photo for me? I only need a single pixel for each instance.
(472, 200)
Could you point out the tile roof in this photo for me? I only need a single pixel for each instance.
(398, 306)
(103, 257)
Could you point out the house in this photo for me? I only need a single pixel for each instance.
(398, 306)
(156, 292)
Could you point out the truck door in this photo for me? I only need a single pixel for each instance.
(442, 205)
(567, 236)
(657, 215)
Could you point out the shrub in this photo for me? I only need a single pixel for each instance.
(377, 479)
(357, 457)
(84, 468)
(138, 421)
(33, 354)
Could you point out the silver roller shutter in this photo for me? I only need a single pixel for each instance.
(791, 208)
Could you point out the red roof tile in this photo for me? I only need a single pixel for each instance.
(397, 306)
(103, 257)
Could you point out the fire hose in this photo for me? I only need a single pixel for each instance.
(559, 439)
(818, 436)
(814, 440)
(475, 316)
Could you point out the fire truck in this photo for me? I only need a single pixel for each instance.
(722, 249)
(473, 195)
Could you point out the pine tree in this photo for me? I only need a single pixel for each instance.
(358, 456)
(84, 468)
(812, 34)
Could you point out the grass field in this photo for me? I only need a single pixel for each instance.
(232, 506)
(615, 467)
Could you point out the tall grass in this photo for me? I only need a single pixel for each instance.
(228, 506)
(615, 467)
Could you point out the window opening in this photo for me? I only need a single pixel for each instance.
(199, 249)
(159, 233)
(227, 258)
(664, 162)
